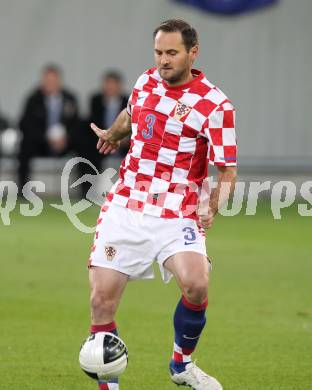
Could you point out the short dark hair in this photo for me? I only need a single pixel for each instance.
(51, 67)
(113, 74)
(189, 34)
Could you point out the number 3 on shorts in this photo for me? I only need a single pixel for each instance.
(150, 121)
(190, 236)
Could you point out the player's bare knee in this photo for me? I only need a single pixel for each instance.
(197, 290)
(196, 295)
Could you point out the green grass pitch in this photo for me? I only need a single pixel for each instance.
(259, 329)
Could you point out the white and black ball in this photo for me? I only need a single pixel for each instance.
(103, 356)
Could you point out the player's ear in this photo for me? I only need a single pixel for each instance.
(194, 52)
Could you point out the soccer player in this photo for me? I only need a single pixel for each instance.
(179, 122)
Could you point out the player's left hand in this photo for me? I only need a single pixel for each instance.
(207, 219)
(105, 144)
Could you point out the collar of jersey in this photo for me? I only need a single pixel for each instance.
(198, 76)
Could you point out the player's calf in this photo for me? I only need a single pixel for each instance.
(107, 286)
(103, 308)
(189, 321)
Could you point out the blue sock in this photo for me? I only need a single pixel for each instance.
(189, 321)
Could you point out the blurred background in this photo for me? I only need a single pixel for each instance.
(260, 58)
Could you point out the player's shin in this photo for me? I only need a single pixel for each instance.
(112, 328)
(189, 321)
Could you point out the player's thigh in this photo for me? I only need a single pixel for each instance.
(107, 283)
(189, 269)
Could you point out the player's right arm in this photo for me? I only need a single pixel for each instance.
(109, 140)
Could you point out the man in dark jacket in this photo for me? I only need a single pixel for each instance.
(106, 105)
(3, 125)
(3, 122)
(48, 122)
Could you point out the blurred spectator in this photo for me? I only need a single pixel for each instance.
(10, 137)
(104, 106)
(4, 124)
(107, 104)
(48, 122)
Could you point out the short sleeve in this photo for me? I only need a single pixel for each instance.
(129, 104)
(141, 81)
(219, 128)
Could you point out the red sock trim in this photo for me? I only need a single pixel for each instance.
(194, 307)
(103, 328)
(187, 351)
(103, 386)
(177, 357)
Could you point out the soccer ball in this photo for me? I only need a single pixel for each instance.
(103, 356)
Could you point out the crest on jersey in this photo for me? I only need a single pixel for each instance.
(110, 252)
(181, 110)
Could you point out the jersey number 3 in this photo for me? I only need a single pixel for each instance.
(150, 121)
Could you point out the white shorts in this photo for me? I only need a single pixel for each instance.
(130, 241)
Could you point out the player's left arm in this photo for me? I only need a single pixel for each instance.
(222, 151)
(226, 180)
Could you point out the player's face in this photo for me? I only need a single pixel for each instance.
(173, 61)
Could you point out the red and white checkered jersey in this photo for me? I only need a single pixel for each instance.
(176, 131)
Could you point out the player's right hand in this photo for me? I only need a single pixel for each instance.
(105, 144)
